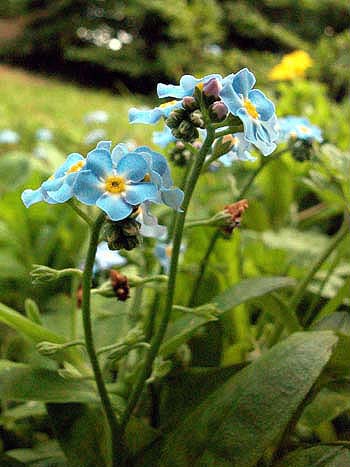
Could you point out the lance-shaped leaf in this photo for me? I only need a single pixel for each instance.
(317, 456)
(251, 411)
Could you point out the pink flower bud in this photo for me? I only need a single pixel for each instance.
(220, 109)
(212, 88)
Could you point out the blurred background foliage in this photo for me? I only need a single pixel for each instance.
(136, 43)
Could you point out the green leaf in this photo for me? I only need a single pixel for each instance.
(14, 169)
(183, 328)
(336, 301)
(45, 454)
(242, 418)
(82, 434)
(317, 456)
(20, 382)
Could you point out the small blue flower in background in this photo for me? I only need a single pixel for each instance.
(253, 108)
(239, 151)
(163, 138)
(98, 116)
(106, 259)
(293, 127)
(44, 134)
(151, 116)
(163, 252)
(58, 188)
(115, 183)
(9, 137)
(94, 136)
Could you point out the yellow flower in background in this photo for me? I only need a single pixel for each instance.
(292, 66)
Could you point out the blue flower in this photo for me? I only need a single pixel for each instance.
(239, 151)
(58, 188)
(44, 134)
(253, 108)
(106, 258)
(98, 116)
(94, 136)
(163, 252)
(163, 138)
(151, 116)
(149, 223)
(298, 128)
(115, 186)
(186, 87)
(9, 137)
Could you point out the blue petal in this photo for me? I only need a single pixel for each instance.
(258, 133)
(230, 98)
(243, 82)
(114, 206)
(140, 192)
(99, 162)
(149, 223)
(69, 162)
(104, 145)
(88, 188)
(145, 116)
(185, 88)
(118, 152)
(172, 197)
(163, 138)
(30, 197)
(63, 194)
(132, 166)
(53, 184)
(263, 105)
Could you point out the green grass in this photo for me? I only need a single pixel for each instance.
(29, 102)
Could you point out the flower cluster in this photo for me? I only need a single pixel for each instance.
(294, 128)
(116, 181)
(223, 98)
(292, 66)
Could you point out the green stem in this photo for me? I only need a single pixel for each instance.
(299, 292)
(89, 341)
(203, 265)
(80, 212)
(179, 226)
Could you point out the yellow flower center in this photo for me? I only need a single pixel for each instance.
(304, 129)
(200, 86)
(76, 167)
(168, 251)
(250, 108)
(115, 184)
(167, 104)
(147, 178)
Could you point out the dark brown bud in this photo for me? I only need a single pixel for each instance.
(79, 296)
(235, 210)
(120, 285)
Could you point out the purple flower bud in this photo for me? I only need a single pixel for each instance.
(212, 88)
(220, 109)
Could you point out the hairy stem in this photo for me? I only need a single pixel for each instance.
(164, 320)
(90, 347)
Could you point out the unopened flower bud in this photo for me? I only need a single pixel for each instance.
(123, 234)
(180, 155)
(41, 274)
(48, 349)
(218, 111)
(176, 117)
(235, 210)
(197, 119)
(189, 103)
(212, 88)
(120, 285)
(32, 311)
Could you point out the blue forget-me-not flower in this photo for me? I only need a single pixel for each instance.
(293, 127)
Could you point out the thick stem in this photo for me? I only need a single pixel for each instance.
(90, 347)
(203, 266)
(80, 212)
(179, 226)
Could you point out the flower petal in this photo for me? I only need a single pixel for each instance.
(71, 160)
(243, 82)
(163, 138)
(118, 152)
(263, 105)
(30, 197)
(140, 192)
(114, 206)
(230, 98)
(99, 162)
(62, 195)
(87, 188)
(172, 197)
(145, 116)
(132, 166)
(104, 145)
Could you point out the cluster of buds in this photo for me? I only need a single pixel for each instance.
(124, 234)
(180, 155)
(235, 212)
(120, 285)
(184, 122)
